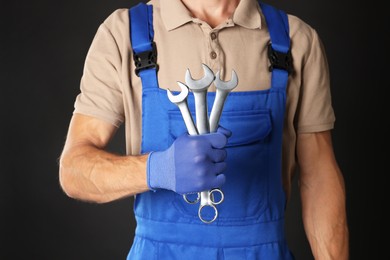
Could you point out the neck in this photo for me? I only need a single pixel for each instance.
(213, 12)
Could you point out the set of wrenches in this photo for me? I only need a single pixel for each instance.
(204, 123)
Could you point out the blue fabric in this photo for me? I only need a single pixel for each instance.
(250, 224)
(144, 33)
(143, 30)
(278, 28)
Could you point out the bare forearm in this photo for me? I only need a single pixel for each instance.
(91, 174)
(324, 216)
(323, 197)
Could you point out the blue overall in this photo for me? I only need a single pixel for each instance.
(250, 224)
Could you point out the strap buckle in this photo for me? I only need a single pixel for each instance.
(280, 60)
(145, 60)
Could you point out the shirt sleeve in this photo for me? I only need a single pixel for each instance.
(315, 112)
(100, 88)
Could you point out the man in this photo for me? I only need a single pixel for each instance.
(265, 125)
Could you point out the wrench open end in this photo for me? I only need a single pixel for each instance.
(202, 83)
(226, 85)
(180, 97)
(223, 88)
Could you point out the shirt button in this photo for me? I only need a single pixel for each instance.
(213, 55)
(213, 36)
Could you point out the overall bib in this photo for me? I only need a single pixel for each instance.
(250, 224)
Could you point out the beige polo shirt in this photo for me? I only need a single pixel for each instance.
(111, 91)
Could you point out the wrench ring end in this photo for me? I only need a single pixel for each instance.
(204, 220)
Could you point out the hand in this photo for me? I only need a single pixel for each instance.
(191, 164)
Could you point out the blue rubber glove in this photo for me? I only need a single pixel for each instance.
(191, 164)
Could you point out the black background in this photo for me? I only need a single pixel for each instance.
(43, 46)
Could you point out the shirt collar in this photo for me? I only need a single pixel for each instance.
(174, 14)
(247, 14)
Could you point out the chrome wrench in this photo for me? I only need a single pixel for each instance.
(181, 101)
(199, 88)
(223, 88)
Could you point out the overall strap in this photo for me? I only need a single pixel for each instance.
(144, 49)
(279, 52)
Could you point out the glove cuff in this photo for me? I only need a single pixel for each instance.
(160, 170)
(148, 172)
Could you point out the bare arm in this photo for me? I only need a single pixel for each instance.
(89, 173)
(323, 197)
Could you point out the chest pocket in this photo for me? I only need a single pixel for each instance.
(246, 187)
(247, 126)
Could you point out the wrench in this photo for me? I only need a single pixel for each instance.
(223, 88)
(181, 101)
(199, 88)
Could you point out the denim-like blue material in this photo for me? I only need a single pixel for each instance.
(250, 224)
